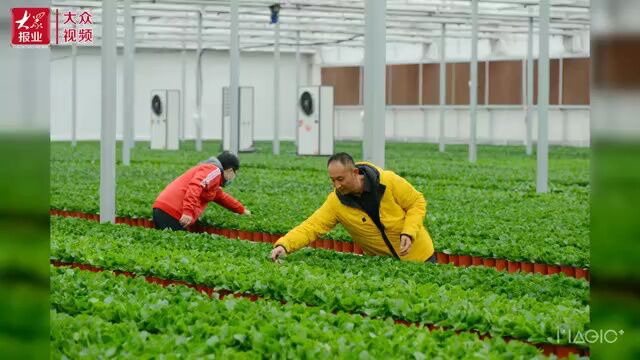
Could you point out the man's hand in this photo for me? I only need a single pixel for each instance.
(405, 244)
(185, 220)
(246, 212)
(278, 252)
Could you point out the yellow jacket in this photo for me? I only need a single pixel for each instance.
(402, 211)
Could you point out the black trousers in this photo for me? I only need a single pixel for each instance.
(162, 221)
(432, 259)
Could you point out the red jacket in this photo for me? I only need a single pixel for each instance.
(192, 191)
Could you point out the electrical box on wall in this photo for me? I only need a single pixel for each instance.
(315, 120)
(246, 114)
(165, 119)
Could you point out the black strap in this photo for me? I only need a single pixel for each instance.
(386, 239)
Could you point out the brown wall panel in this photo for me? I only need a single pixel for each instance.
(575, 81)
(554, 79)
(402, 84)
(431, 84)
(458, 76)
(346, 83)
(460, 84)
(482, 76)
(505, 82)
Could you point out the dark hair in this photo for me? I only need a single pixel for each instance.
(343, 158)
(229, 161)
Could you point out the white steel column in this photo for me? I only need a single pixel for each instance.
(108, 121)
(276, 92)
(183, 96)
(560, 80)
(295, 118)
(443, 85)
(234, 80)
(473, 91)
(543, 100)
(374, 72)
(198, 119)
(128, 93)
(74, 93)
(529, 116)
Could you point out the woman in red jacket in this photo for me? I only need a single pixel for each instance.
(182, 202)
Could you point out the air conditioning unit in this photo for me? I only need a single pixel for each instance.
(165, 119)
(315, 120)
(246, 114)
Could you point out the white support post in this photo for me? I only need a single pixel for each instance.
(276, 91)
(361, 90)
(543, 100)
(74, 94)
(443, 85)
(420, 94)
(183, 91)
(473, 91)
(295, 118)
(560, 80)
(129, 83)
(199, 86)
(108, 121)
(529, 116)
(234, 80)
(486, 83)
(374, 72)
(420, 65)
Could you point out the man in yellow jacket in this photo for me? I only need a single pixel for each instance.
(382, 212)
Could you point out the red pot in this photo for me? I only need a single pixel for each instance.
(563, 351)
(119, 220)
(489, 262)
(453, 259)
(347, 246)
(513, 266)
(581, 273)
(476, 260)
(526, 267)
(501, 264)
(540, 268)
(256, 237)
(337, 245)
(464, 260)
(266, 238)
(244, 235)
(357, 249)
(553, 269)
(328, 244)
(548, 349)
(442, 258)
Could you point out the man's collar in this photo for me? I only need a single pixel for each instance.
(367, 186)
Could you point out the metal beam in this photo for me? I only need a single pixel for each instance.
(295, 116)
(443, 85)
(198, 120)
(543, 101)
(276, 92)
(108, 121)
(374, 79)
(529, 116)
(74, 94)
(183, 88)
(234, 80)
(128, 93)
(473, 91)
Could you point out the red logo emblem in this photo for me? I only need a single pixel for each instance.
(30, 27)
